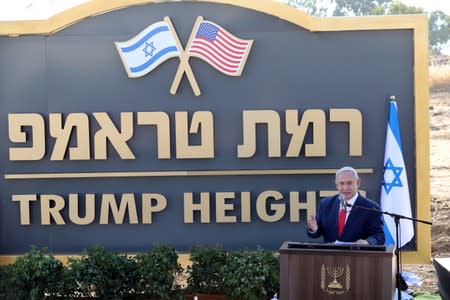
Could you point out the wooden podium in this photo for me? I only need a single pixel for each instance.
(332, 271)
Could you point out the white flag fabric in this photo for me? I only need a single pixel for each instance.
(147, 50)
(394, 190)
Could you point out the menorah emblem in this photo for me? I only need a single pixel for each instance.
(335, 272)
(335, 287)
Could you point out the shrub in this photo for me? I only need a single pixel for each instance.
(35, 273)
(106, 275)
(5, 282)
(205, 275)
(251, 275)
(157, 271)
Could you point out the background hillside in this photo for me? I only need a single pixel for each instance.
(439, 170)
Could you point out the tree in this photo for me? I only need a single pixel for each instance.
(360, 7)
(398, 8)
(438, 21)
(438, 24)
(312, 7)
(439, 31)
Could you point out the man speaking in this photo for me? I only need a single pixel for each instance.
(347, 217)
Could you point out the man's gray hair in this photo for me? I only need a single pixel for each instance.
(346, 169)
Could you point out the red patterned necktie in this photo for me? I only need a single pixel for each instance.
(341, 221)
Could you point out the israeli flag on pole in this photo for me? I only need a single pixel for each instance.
(394, 189)
(147, 50)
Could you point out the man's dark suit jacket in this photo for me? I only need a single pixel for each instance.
(360, 224)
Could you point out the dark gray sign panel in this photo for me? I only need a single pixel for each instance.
(92, 156)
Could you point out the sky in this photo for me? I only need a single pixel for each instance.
(430, 5)
(11, 10)
(33, 9)
(43, 9)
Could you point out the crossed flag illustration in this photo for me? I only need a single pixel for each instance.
(208, 41)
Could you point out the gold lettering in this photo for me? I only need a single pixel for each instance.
(74, 211)
(77, 121)
(250, 120)
(16, 122)
(261, 203)
(161, 121)
(148, 209)
(24, 201)
(245, 207)
(54, 211)
(109, 132)
(203, 124)
(354, 119)
(295, 205)
(109, 204)
(222, 207)
(203, 207)
(316, 117)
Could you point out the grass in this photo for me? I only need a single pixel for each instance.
(439, 75)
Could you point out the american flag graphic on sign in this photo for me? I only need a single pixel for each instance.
(221, 49)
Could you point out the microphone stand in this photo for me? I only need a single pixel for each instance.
(397, 217)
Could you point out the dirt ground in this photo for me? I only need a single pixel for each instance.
(439, 182)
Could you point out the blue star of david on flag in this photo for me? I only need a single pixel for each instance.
(147, 51)
(390, 182)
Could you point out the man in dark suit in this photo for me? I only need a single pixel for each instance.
(337, 222)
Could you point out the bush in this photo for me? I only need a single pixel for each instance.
(251, 275)
(157, 271)
(243, 274)
(205, 275)
(5, 282)
(102, 274)
(34, 274)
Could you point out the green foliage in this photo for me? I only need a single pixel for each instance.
(398, 8)
(34, 274)
(68, 286)
(359, 7)
(103, 274)
(312, 7)
(251, 275)
(5, 282)
(97, 273)
(438, 24)
(439, 29)
(438, 21)
(157, 272)
(205, 274)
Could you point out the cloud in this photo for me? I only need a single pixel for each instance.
(15, 10)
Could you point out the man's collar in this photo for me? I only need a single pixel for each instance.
(353, 199)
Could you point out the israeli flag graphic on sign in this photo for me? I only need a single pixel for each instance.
(147, 50)
(394, 188)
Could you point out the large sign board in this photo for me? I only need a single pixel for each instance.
(187, 123)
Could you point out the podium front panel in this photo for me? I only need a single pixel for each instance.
(336, 274)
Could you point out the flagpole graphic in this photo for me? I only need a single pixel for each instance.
(208, 41)
(394, 188)
(184, 64)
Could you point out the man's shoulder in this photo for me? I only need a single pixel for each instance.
(328, 200)
(367, 202)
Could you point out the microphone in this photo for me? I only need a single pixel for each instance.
(344, 203)
(341, 199)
